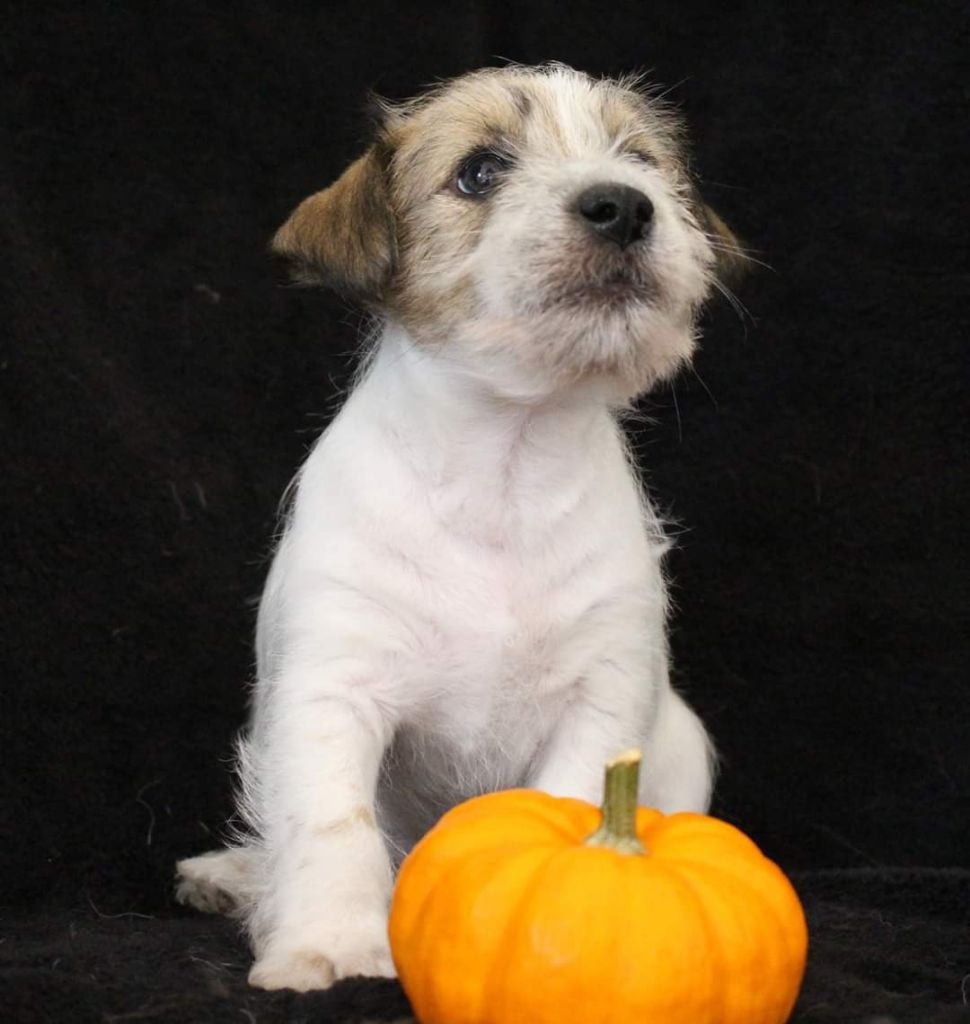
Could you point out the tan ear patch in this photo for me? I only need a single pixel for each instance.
(343, 237)
(728, 251)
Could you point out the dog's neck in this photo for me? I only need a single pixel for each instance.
(477, 451)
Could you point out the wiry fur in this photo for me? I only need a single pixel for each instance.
(468, 593)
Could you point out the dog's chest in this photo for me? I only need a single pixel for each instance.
(489, 680)
(501, 568)
(496, 622)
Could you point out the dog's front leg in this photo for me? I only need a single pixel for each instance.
(589, 733)
(607, 715)
(323, 914)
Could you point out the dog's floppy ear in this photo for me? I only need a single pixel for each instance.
(343, 237)
(728, 251)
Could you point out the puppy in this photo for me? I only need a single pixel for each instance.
(468, 593)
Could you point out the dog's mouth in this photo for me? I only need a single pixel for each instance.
(615, 290)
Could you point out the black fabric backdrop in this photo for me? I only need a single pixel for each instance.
(159, 388)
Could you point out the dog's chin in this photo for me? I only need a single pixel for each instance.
(606, 333)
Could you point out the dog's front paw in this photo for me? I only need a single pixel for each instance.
(304, 971)
(318, 962)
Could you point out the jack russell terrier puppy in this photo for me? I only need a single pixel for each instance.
(468, 593)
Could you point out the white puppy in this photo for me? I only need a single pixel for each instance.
(468, 594)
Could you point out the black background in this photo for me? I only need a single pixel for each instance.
(159, 387)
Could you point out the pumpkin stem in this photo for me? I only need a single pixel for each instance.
(618, 829)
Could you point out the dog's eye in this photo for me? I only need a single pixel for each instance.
(480, 173)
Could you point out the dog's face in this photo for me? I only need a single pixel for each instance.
(534, 223)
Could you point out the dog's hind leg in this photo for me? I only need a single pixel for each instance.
(221, 881)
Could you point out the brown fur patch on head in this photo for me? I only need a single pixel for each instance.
(343, 237)
(430, 134)
(436, 227)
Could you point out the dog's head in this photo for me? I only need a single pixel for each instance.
(535, 224)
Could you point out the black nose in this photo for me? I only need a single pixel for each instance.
(617, 212)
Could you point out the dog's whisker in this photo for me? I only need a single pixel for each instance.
(736, 304)
(680, 426)
(737, 252)
(703, 384)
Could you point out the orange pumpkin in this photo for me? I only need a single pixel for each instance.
(522, 908)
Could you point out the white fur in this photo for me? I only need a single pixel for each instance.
(468, 596)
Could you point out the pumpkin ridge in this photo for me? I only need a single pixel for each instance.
(700, 873)
(740, 878)
(497, 967)
(559, 814)
(487, 863)
(443, 881)
(475, 808)
(526, 913)
(713, 946)
(443, 857)
(424, 985)
(430, 963)
(515, 935)
(560, 818)
(675, 828)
